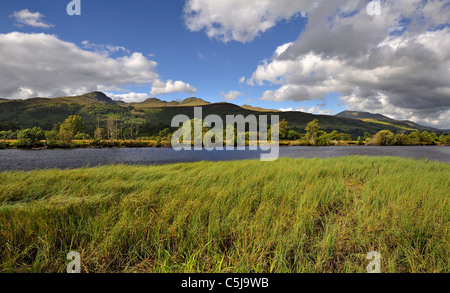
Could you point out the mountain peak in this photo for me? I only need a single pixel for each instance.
(363, 115)
(193, 100)
(258, 109)
(100, 97)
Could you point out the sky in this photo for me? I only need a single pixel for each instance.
(321, 57)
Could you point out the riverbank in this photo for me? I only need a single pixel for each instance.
(13, 144)
(28, 160)
(292, 215)
(77, 144)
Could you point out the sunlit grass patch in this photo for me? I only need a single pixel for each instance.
(292, 215)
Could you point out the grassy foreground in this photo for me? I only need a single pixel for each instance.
(292, 215)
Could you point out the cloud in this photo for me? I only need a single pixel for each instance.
(231, 95)
(397, 64)
(311, 110)
(160, 87)
(43, 65)
(290, 109)
(130, 97)
(26, 18)
(104, 49)
(240, 20)
(200, 56)
(281, 49)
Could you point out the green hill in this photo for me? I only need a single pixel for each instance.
(156, 103)
(363, 115)
(154, 115)
(258, 109)
(381, 119)
(86, 99)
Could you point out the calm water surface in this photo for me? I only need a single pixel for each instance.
(77, 158)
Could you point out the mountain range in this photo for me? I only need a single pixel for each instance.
(154, 114)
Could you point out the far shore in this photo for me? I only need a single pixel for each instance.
(77, 144)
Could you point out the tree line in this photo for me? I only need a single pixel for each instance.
(113, 130)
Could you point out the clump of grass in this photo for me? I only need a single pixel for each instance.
(292, 215)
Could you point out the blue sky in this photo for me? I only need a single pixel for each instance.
(209, 50)
(157, 28)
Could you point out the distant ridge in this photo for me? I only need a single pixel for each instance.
(193, 101)
(379, 118)
(363, 115)
(153, 113)
(258, 109)
(157, 103)
(86, 99)
(99, 97)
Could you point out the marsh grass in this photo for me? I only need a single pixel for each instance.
(288, 216)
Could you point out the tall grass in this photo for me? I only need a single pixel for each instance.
(292, 215)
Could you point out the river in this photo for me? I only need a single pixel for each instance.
(77, 158)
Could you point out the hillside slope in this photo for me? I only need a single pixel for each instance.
(381, 119)
(154, 115)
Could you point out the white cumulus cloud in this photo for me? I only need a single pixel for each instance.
(231, 95)
(25, 17)
(240, 20)
(311, 110)
(160, 87)
(33, 65)
(130, 97)
(43, 65)
(376, 63)
(104, 49)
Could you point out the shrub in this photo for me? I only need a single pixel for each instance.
(293, 135)
(383, 138)
(81, 136)
(30, 137)
(322, 139)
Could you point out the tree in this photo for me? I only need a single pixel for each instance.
(70, 127)
(345, 137)
(414, 138)
(383, 138)
(65, 134)
(434, 138)
(82, 136)
(51, 137)
(111, 127)
(402, 139)
(8, 134)
(322, 138)
(99, 133)
(312, 130)
(73, 124)
(425, 137)
(334, 135)
(444, 139)
(30, 137)
(284, 129)
(165, 133)
(360, 140)
(293, 135)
